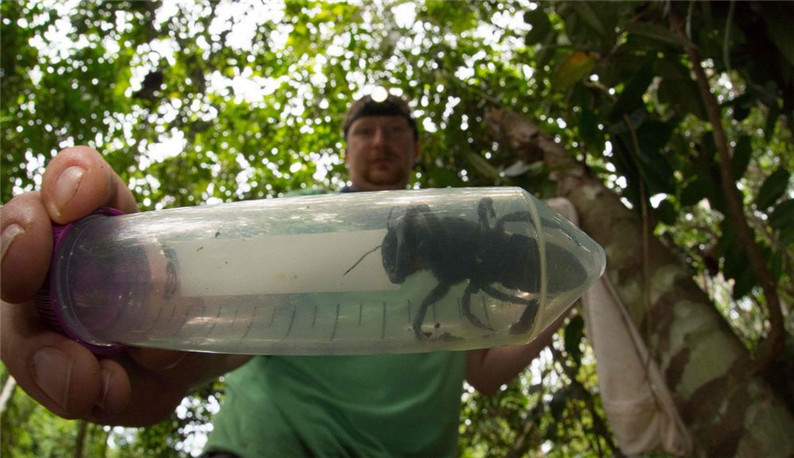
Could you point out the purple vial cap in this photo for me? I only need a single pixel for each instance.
(47, 305)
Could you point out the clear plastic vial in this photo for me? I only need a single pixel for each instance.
(352, 273)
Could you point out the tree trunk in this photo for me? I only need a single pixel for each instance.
(9, 388)
(79, 443)
(729, 410)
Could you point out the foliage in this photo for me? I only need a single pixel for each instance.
(642, 98)
(553, 411)
(199, 102)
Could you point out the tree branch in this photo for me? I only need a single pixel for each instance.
(769, 349)
(7, 393)
(646, 229)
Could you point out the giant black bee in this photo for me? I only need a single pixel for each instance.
(484, 254)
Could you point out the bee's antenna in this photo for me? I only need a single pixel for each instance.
(361, 259)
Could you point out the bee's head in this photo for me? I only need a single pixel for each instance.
(393, 259)
(399, 259)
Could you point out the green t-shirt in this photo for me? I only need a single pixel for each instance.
(368, 406)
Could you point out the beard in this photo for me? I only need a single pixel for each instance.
(389, 170)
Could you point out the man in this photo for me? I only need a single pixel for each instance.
(382, 405)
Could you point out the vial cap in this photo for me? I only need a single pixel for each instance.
(47, 306)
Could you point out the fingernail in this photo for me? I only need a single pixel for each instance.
(52, 370)
(10, 233)
(101, 402)
(66, 187)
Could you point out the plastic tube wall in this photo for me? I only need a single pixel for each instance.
(357, 273)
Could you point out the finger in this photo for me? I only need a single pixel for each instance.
(26, 247)
(156, 359)
(115, 395)
(59, 373)
(78, 181)
(151, 397)
(156, 393)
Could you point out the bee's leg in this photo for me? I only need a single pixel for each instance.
(511, 217)
(484, 210)
(466, 306)
(503, 296)
(527, 318)
(435, 295)
(420, 225)
(421, 220)
(524, 324)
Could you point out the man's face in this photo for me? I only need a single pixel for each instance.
(380, 153)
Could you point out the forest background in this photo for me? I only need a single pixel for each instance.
(667, 124)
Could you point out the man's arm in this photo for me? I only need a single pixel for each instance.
(488, 369)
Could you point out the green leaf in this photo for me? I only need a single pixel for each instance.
(443, 177)
(654, 135)
(734, 255)
(771, 121)
(657, 171)
(780, 30)
(588, 127)
(683, 96)
(744, 282)
(742, 105)
(572, 69)
(574, 331)
(458, 20)
(541, 26)
(774, 186)
(666, 212)
(557, 405)
(631, 96)
(545, 52)
(775, 263)
(786, 235)
(621, 127)
(656, 32)
(587, 15)
(783, 215)
(483, 166)
(741, 156)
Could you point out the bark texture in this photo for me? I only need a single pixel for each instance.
(730, 410)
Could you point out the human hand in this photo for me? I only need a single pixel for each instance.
(135, 387)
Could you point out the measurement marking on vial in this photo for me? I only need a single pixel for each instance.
(360, 312)
(214, 322)
(203, 313)
(485, 310)
(183, 322)
(291, 320)
(409, 311)
(314, 319)
(154, 322)
(336, 322)
(173, 314)
(272, 317)
(157, 318)
(234, 318)
(383, 325)
(141, 320)
(250, 324)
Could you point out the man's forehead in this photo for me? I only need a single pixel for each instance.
(367, 107)
(381, 119)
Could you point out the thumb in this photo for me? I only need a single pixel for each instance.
(78, 181)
